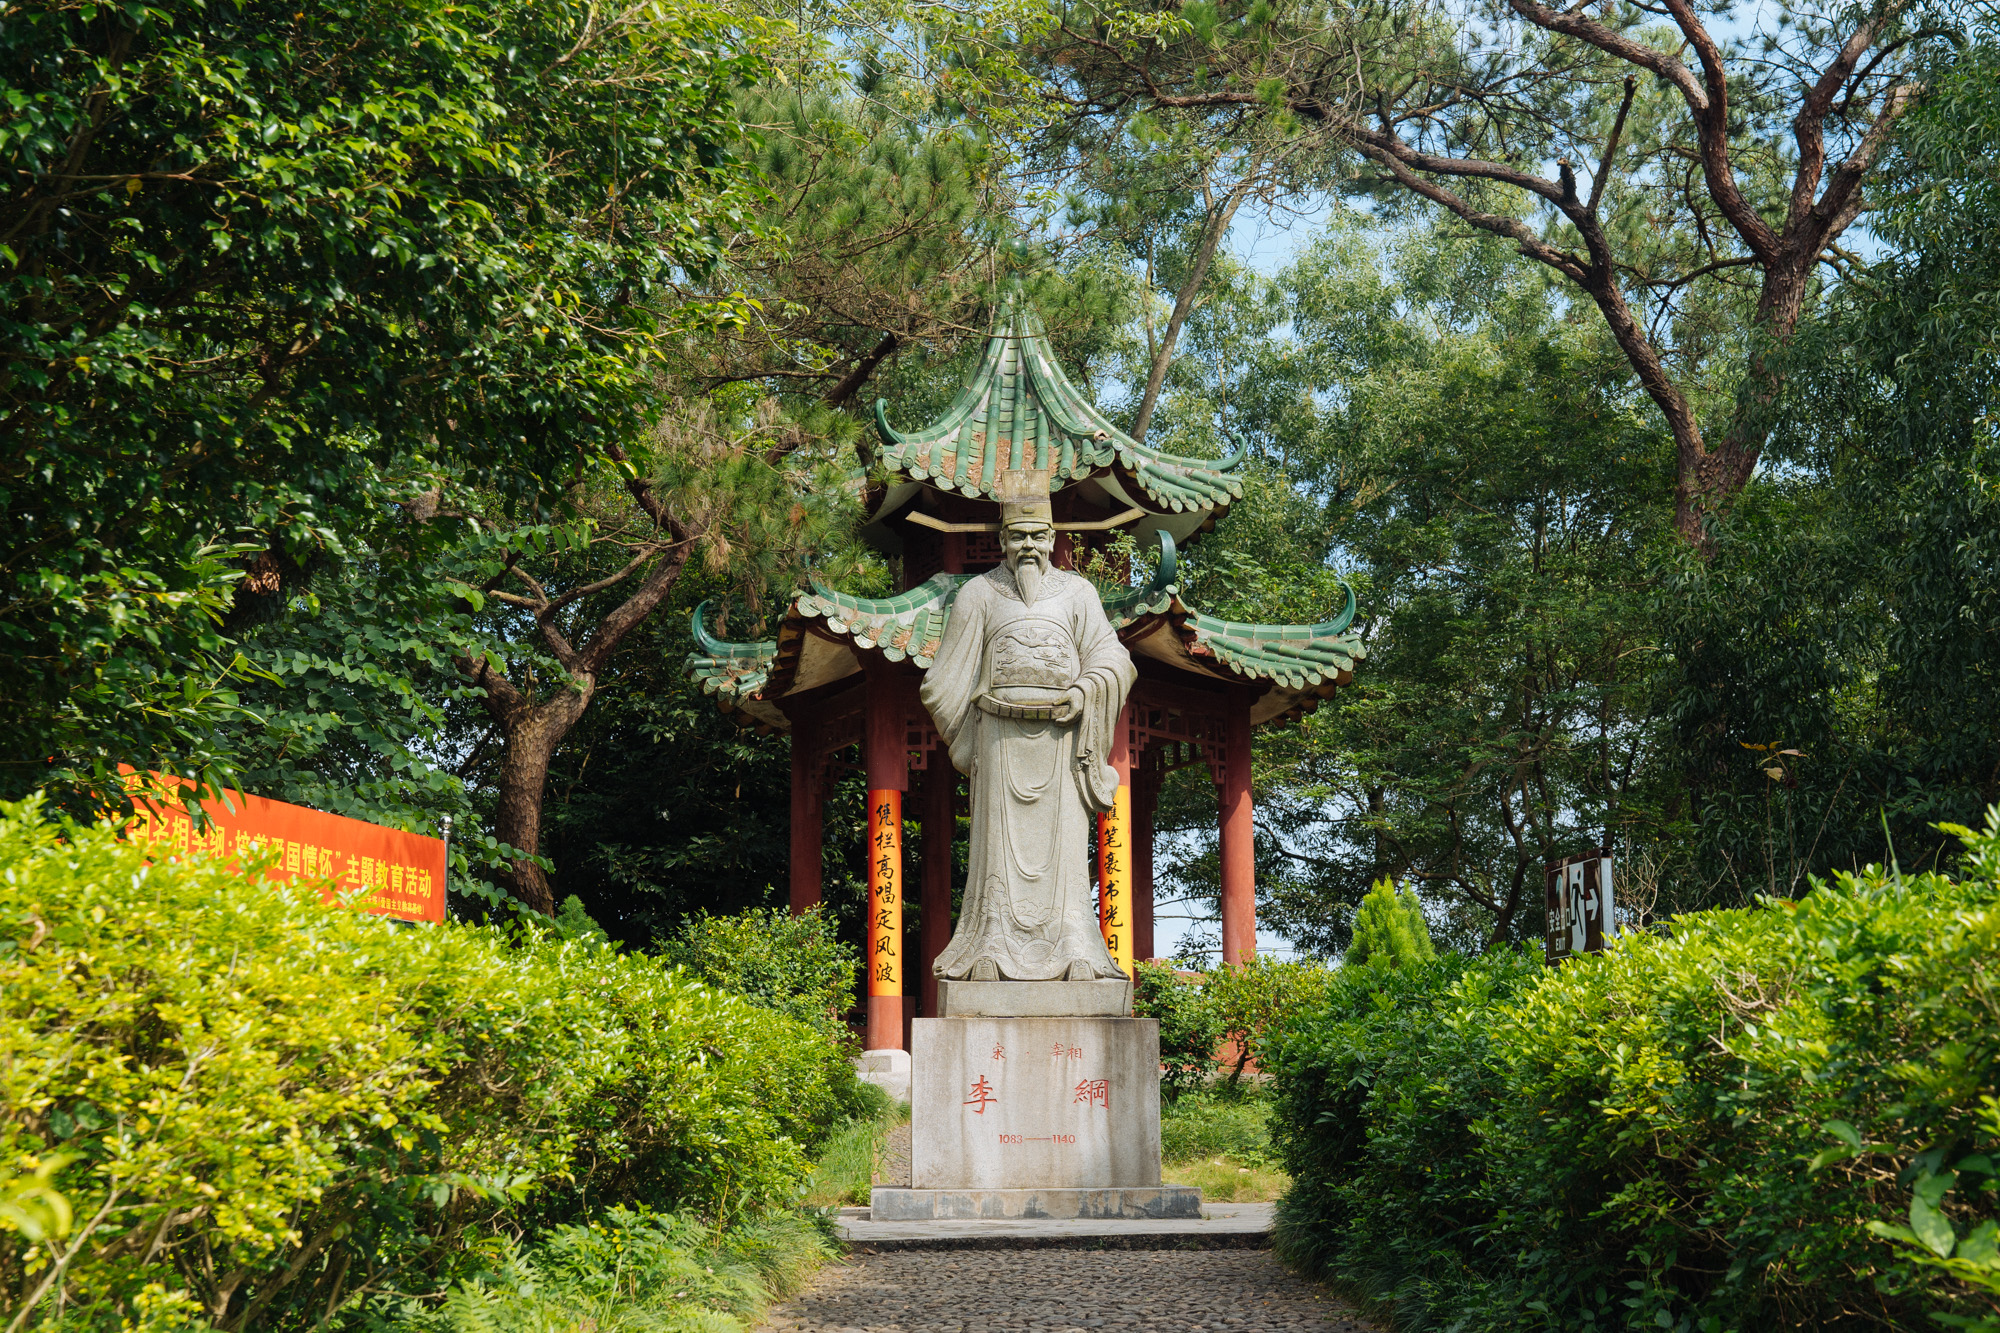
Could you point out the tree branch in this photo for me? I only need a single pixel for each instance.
(1219, 219)
(1611, 145)
(620, 622)
(851, 383)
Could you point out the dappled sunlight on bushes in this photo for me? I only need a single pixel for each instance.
(278, 1111)
(1723, 1127)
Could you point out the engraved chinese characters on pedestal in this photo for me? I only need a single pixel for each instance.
(1035, 1104)
(1026, 689)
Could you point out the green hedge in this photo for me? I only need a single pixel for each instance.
(1190, 1026)
(1782, 1117)
(271, 1109)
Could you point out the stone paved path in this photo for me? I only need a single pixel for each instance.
(1058, 1291)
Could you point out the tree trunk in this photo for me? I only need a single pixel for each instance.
(533, 730)
(1218, 225)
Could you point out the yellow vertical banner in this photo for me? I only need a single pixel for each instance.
(885, 892)
(1114, 878)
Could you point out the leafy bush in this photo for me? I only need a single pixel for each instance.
(1692, 1132)
(1249, 998)
(276, 1107)
(1389, 929)
(1189, 1025)
(793, 964)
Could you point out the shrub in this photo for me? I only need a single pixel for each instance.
(1687, 1132)
(1249, 998)
(275, 1107)
(793, 964)
(1389, 929)
(1189, 1026)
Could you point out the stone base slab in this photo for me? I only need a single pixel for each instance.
(887, 1069)
(1133, 1203)
(1034, 999)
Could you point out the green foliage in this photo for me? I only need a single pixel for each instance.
(276, 1106)
(630, 1271)
(1703, 1130)
(791, 964)
(1250, 999)
(1189, 1026)
(1219, 1124)
(1389, 929)
(31, 1204)
(1850, 619)
(845, 1172)
(268, 264)
(1428, 424)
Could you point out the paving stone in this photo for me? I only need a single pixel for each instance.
(1063, 1291)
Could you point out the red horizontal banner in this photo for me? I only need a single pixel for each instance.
(401, 874)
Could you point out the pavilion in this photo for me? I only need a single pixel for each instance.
(843, 671)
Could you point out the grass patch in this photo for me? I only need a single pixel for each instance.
(633, 1272)
(1219, 1141)
(1218, 1124)
(846, 1170)
(1221, 1180)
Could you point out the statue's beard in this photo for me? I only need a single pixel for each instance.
(1028, 578)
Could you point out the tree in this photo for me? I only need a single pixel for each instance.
(1423, 419)
(1389, 930)
(1837, 692)
(749, 491)
(1754, 160)
(261, 262)
(878, 235)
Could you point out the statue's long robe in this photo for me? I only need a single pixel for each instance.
(1028, 904)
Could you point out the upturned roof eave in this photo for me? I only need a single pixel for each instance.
(1294, 666)
(1020, 400)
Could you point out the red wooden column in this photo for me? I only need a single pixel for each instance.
(1239, 852)
(1114, 853)
(940, 822)
(807, 816)
(1145, 799)
(885, 746)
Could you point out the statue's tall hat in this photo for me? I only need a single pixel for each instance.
(1024, 498)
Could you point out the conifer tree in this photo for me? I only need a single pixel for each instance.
(1389, 929)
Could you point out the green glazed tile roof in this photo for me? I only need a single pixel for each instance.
(1297, 656)
(910, 624)
(1307, 660)
(729, 670)
(1021, 411)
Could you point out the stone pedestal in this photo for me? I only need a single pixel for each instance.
(887, 1069)
(1034, 999)
(1035, 1117)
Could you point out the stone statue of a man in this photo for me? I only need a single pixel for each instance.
(1026, 689)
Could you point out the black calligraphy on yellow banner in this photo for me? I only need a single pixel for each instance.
(885, 892)
(1114, 878)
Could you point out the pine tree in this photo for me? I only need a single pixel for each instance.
(1389, 929)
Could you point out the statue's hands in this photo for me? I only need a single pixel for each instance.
(1070, 706)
